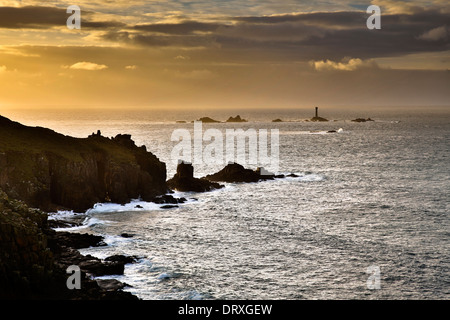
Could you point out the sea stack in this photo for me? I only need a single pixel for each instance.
(184, 180)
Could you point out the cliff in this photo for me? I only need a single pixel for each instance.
(34, 258)
(50, 171)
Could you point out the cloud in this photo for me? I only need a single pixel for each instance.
(397, 7)
(181, 57)
(348, 64)
(182, 28)
(132, 67)
(44, 17)
(86, 66)
(298, 36)
(436, 34)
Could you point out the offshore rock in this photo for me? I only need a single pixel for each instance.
(361, 120)
(318, 119)
(208, 120)
(234, 172)
(52, 171)
(184, 180)
(236, 119)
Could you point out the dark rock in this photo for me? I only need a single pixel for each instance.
(34, 258)
(126, 235)
(292, 175)
(167, 198)
(110, 284)
(318, 119)
(362, 120)
(138, 206)
(169, 206)
(234, 172)
(236, 119)
(277, 120)
(184, 180)
(61, 224)
(122, 259)
(208, 120)
(76, 240)
(51, 171)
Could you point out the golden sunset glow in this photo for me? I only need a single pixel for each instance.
(232, 54)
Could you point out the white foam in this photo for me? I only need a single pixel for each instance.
(164, 276)
(311, 177)
(134, 205)
(62, 215)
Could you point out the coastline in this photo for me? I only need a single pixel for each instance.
(34, 258)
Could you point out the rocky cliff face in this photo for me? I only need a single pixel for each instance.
(25, 263)
(48, 170)
(34, 258)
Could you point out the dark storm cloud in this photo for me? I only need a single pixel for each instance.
(183, 28)
(37, 17)
(348, 19)
(152, 40)
(305, 36)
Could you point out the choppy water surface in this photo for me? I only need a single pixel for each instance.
(376, 193)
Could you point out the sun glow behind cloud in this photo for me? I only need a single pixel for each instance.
(223, 53)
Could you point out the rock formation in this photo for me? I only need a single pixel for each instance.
(236, 119)
(48, 170)
(234, 172)
(362, 120)
(208, 120)
(34, 258)
(184, 180)
(317, 118)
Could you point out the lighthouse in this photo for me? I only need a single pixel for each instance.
(317, 118)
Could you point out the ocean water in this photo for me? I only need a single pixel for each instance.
(374, 196)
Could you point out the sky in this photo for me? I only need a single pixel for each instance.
(224, 54)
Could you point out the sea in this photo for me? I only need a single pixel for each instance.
(365, 217)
